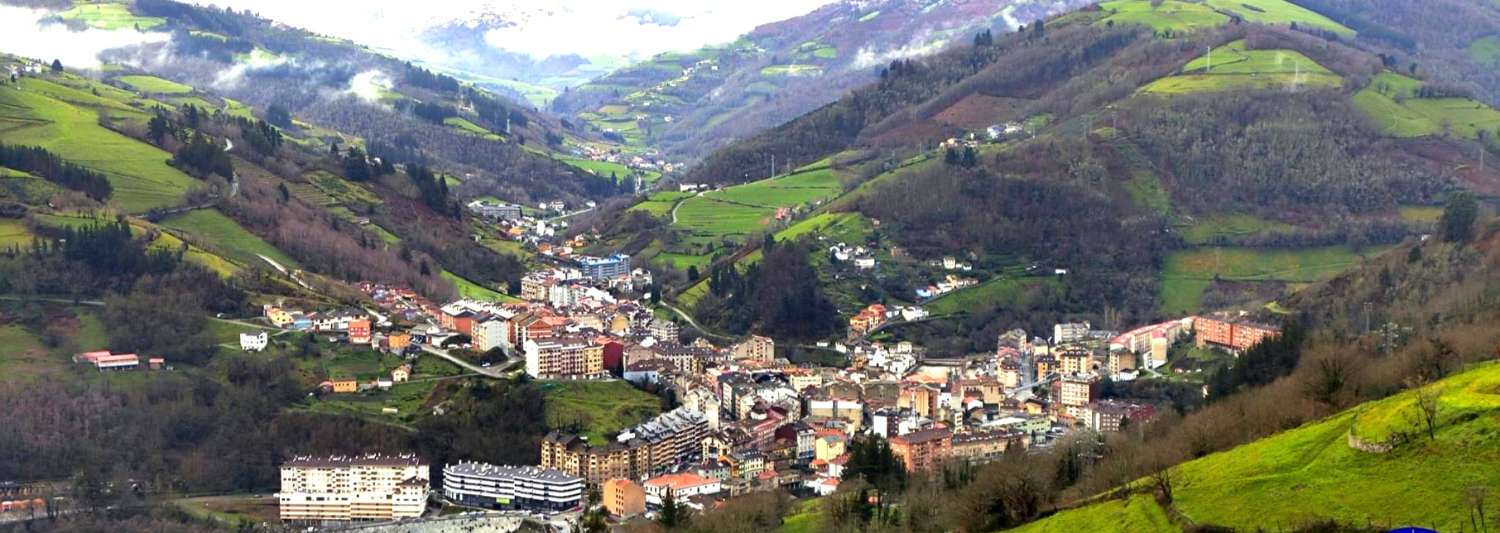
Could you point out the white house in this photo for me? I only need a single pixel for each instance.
(254, 342)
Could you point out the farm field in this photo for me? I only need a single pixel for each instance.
(1279, 12)
(708, 220)
(1189, 273)
(218, 265)
(141, 178)
(1171, 15)
(1004, 289)
(600, 407)
(464, 125)
(659, 204)
(1418, 117)
(153, 84)
(1206, 230)
(109, 16)
(598, 168)
(805, 516)
(223, 234)
(1421, 214)
(1235, 67)
(13, 233)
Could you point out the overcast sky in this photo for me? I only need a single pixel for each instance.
(628, 28)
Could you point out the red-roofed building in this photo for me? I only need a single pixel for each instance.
(681, 486)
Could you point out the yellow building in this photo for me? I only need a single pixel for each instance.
(623, 498)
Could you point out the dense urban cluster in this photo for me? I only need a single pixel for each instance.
(746, 418)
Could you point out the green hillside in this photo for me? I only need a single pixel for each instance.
(65, 121)
(1390, 100)
(1185, 15)
(224, 234)
(1232, 66)
(1312, 474)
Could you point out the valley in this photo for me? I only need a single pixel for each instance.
(896, 265)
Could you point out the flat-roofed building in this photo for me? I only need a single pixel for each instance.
(530, 488)
(353, 488)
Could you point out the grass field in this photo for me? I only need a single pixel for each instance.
(598, 168)
(1279, 12)
(1421, 214)
(1146, 190)
(1004, 290)
(464, 125)
(199, 256)
(791, 70)
(806, 516)
(1189, 273)
(222, 234)
(1207, 229)
(1311, 474)
(13, 233)
(469, 289)
(141, 178)
(1171, 15)
(1139, 513)
(109, 16)
(1234, 67)
(153, 84)
(1486, 51)
(659, 204)
(1390, 102)
(601, 407)
(708, 220)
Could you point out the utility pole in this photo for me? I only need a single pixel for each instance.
(1210, 61)
(773, 165)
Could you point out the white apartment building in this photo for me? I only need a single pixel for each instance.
(511, 487)
(353, 488)
(254, 342)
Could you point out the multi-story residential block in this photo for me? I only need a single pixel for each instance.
(491, 333)
(1065, 333)
(1107, 415)
(1232, 333)
(924, 450)
(511, 487)
(359, 331)
(756, 348)
(600, 268)
(351, 488)
(984, 446)
(564, 358)
(1072, 394)
(623, 498)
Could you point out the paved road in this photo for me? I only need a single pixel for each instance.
(289, 273)
(694, 323)
(679, 204)
(504, 371)
(97, 303)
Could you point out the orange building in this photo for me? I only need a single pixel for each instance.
(359, 331)
(924, 450)
(1237, 335)
(345, 385)
(623, 498)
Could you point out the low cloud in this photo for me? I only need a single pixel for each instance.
(918, 46)
(27, 32)
(231, 77)
(369, 85)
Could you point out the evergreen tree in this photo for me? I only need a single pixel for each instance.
(672, 515)
(57, 66)
(1457, 222)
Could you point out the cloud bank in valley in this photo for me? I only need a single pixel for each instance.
(24, 32)
(590, 28)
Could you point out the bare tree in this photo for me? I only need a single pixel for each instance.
(1428, 409)
(1475, 497)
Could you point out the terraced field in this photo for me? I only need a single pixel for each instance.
(65, 121)
(1208, 229)
(1232, 66)
(795, 69)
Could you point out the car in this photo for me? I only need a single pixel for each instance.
(486, 365)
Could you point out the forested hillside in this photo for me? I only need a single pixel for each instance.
(689, 103)
(1106, 144)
